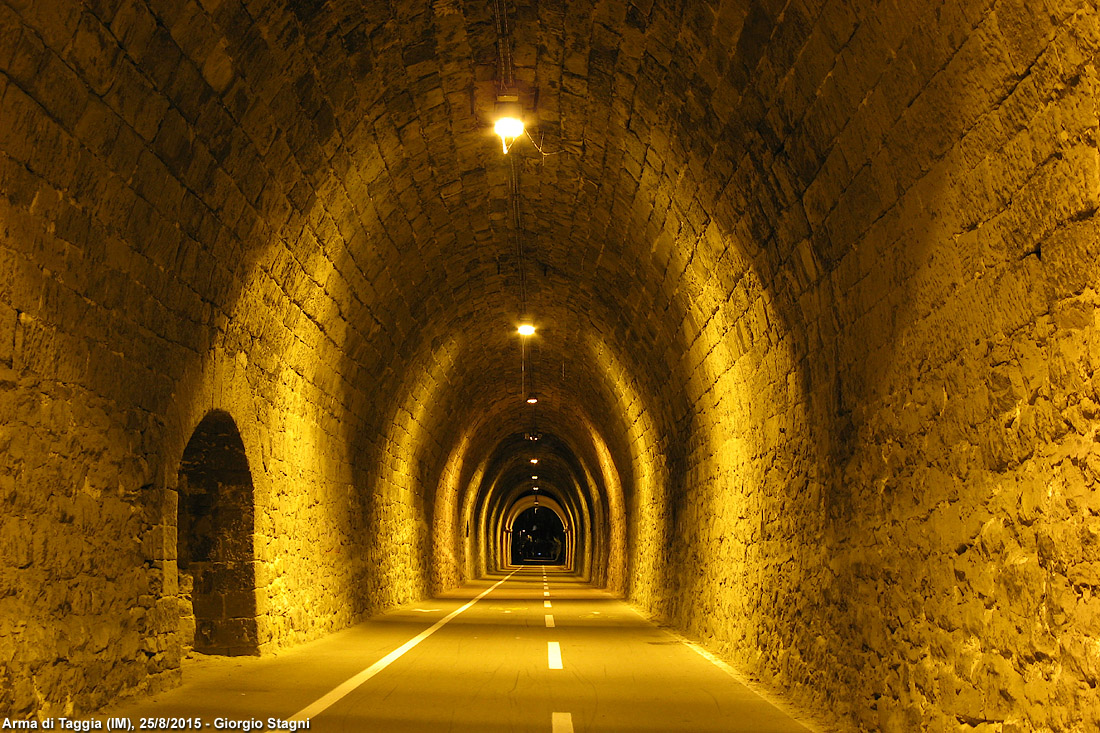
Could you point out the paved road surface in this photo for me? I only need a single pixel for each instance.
(548, 655)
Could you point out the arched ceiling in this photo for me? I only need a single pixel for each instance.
(620, 234)
(388, 116)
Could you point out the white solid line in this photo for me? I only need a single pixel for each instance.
(546, 604)
(553, 654)
(549, 620)
(337, 693)
(748, 683)
(561, 723)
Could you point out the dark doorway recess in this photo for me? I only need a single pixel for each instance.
(538, 537)
(215, 555)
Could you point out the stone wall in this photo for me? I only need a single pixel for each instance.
(878, 496)
(972, 428)
(161, 257)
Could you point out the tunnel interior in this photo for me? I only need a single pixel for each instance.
(811, 365)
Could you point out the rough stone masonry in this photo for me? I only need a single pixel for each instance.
(816, 284)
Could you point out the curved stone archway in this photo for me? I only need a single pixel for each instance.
(215, 530)
(541, 501)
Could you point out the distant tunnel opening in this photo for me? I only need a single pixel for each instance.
(215, 527)
(538, 537)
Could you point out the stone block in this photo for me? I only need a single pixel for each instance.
(208, 606)
(93, 52)
(8, 322)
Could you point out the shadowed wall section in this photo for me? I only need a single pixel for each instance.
(215, 526)
(815, 285)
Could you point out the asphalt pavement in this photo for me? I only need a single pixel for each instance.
(531, 650)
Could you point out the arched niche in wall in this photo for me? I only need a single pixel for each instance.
(555, 522)
(215, 526)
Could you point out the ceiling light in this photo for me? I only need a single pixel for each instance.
(509, 124)
(526, 329)
(534, 488)
(534, 460)
(508, 128)
(534, 478)
(532, 399)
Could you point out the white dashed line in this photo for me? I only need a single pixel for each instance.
(546, 604)
(546, 593)
(553, 654)
(549, 620)
(561, 723)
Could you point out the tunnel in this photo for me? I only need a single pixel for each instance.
(762, 332)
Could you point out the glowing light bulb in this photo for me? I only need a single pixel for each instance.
(508, 128)
(532, 400)
(534, 460)
(534, 478)
(526, 329)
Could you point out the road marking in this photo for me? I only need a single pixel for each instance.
(337, 693)
(737, 676)
(546, 604)
(553, 654)
(561, 723)
(549, 620)
(546, 593)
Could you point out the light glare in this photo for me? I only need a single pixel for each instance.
(508, 128)
(526, 329)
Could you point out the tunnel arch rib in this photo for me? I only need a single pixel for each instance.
(564, 516)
